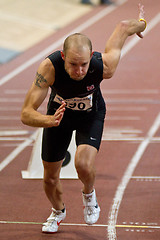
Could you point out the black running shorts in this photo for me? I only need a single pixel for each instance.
(88, 126)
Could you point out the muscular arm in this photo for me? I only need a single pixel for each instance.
(113, 47)
(35, 97)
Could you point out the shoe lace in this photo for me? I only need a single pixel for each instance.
(53, 217)
(88, 198)
(90, 210)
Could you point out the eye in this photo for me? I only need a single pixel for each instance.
(84, 64)
(73, 64)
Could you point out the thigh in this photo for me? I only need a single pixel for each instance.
(55, 142)
(85, 156)
(90, 130)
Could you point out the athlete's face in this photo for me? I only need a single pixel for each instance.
(77, 62)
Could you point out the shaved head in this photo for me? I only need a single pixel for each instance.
(77, 41)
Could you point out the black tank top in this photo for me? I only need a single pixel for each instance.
(68, 88)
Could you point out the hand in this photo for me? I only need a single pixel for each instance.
(141, 15)
(57, 117)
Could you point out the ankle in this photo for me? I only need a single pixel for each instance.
(86, 191)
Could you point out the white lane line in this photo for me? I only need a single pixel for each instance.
(12, 139)
(17, 150)
(104, 138)
(13, 133)
(123, 139)
(59, 42)
(10, 118)
(8, 109)
(127, 109)
(13, 144)
(13, 108)
(15, 91)
(122, 118)
(132, 100)
(146, 178)
(130, 91)
(16, 100)
(129, 139)
(10, 127)
(112, 219)
(21, 100)
(124, 225)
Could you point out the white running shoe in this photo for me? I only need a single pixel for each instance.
(91, 208)
(54, 220)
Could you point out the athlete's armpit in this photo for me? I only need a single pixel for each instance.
(39, 80)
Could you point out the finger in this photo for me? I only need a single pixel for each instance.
(140, 35)
(59, 118)
(59, 113)
(62, 105)
(61, 108)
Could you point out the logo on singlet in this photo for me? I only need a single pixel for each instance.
(89, 88)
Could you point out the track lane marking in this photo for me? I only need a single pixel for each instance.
(112, 219)
(17, 150)
(85, 225)
(130, 91)
(13, 133)
(13, 138)
(146, 178)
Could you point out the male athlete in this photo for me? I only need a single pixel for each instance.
(75, 103)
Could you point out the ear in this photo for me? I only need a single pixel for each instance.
(62, 55)
(92, 54)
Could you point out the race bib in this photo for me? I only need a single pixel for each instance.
(76, 103)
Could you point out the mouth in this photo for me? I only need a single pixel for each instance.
(78, 78)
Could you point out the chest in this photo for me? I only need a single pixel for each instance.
(69, 88)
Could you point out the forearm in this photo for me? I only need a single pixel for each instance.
(122, 31)
(115, 43)
(34, 118)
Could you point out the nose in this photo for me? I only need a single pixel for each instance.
(79, 71)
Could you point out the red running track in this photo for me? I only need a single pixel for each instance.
(128, 175)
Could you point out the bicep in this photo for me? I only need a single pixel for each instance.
(39, 89)
(110, 62)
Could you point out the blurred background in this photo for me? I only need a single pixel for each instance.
(26, 22)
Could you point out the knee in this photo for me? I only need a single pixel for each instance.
(84, 164)
(83, 168)
(51, 173)
(50, 180)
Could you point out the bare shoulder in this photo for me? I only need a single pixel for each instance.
(46, 64)
(45, 74)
